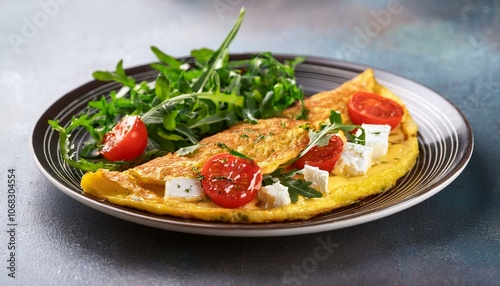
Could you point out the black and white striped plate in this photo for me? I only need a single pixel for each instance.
(445, 142)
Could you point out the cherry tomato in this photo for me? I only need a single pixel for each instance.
(126, 141)
(369, 108)
(324, 157)
(231, 181)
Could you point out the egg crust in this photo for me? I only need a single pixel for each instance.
(270, 142)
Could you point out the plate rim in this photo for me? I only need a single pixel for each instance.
(253, 230)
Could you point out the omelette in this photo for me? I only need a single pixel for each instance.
(270, 143)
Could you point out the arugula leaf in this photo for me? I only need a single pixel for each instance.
(295, 186)
(321, 137)
(232, 151)
(168, 60)
(118, 75)
(162, 87)
(188, 150)
(202, 56)
(69, 155)
(219, 54)
(300, 187)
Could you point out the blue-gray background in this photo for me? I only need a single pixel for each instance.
(49, 47)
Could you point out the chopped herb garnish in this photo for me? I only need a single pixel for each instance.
(260, 138)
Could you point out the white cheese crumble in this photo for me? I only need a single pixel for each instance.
(186, 188)
(136, 198)
(355, 160)
(318, 177)
(377, 137)
(274, 196)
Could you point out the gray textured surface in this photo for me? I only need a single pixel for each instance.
(49, 47)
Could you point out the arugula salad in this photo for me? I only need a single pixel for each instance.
(191, 99)
(186, 102)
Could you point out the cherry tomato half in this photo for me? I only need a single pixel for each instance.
(369, 108)
(126, 141)
(324, 157)
(231, 181)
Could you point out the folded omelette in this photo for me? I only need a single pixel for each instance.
(270, 143)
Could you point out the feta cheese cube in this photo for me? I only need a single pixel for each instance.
(318, 177)
(136, 198)
(355, 160)
(186, 188)
(274, 196)
(377, 137)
